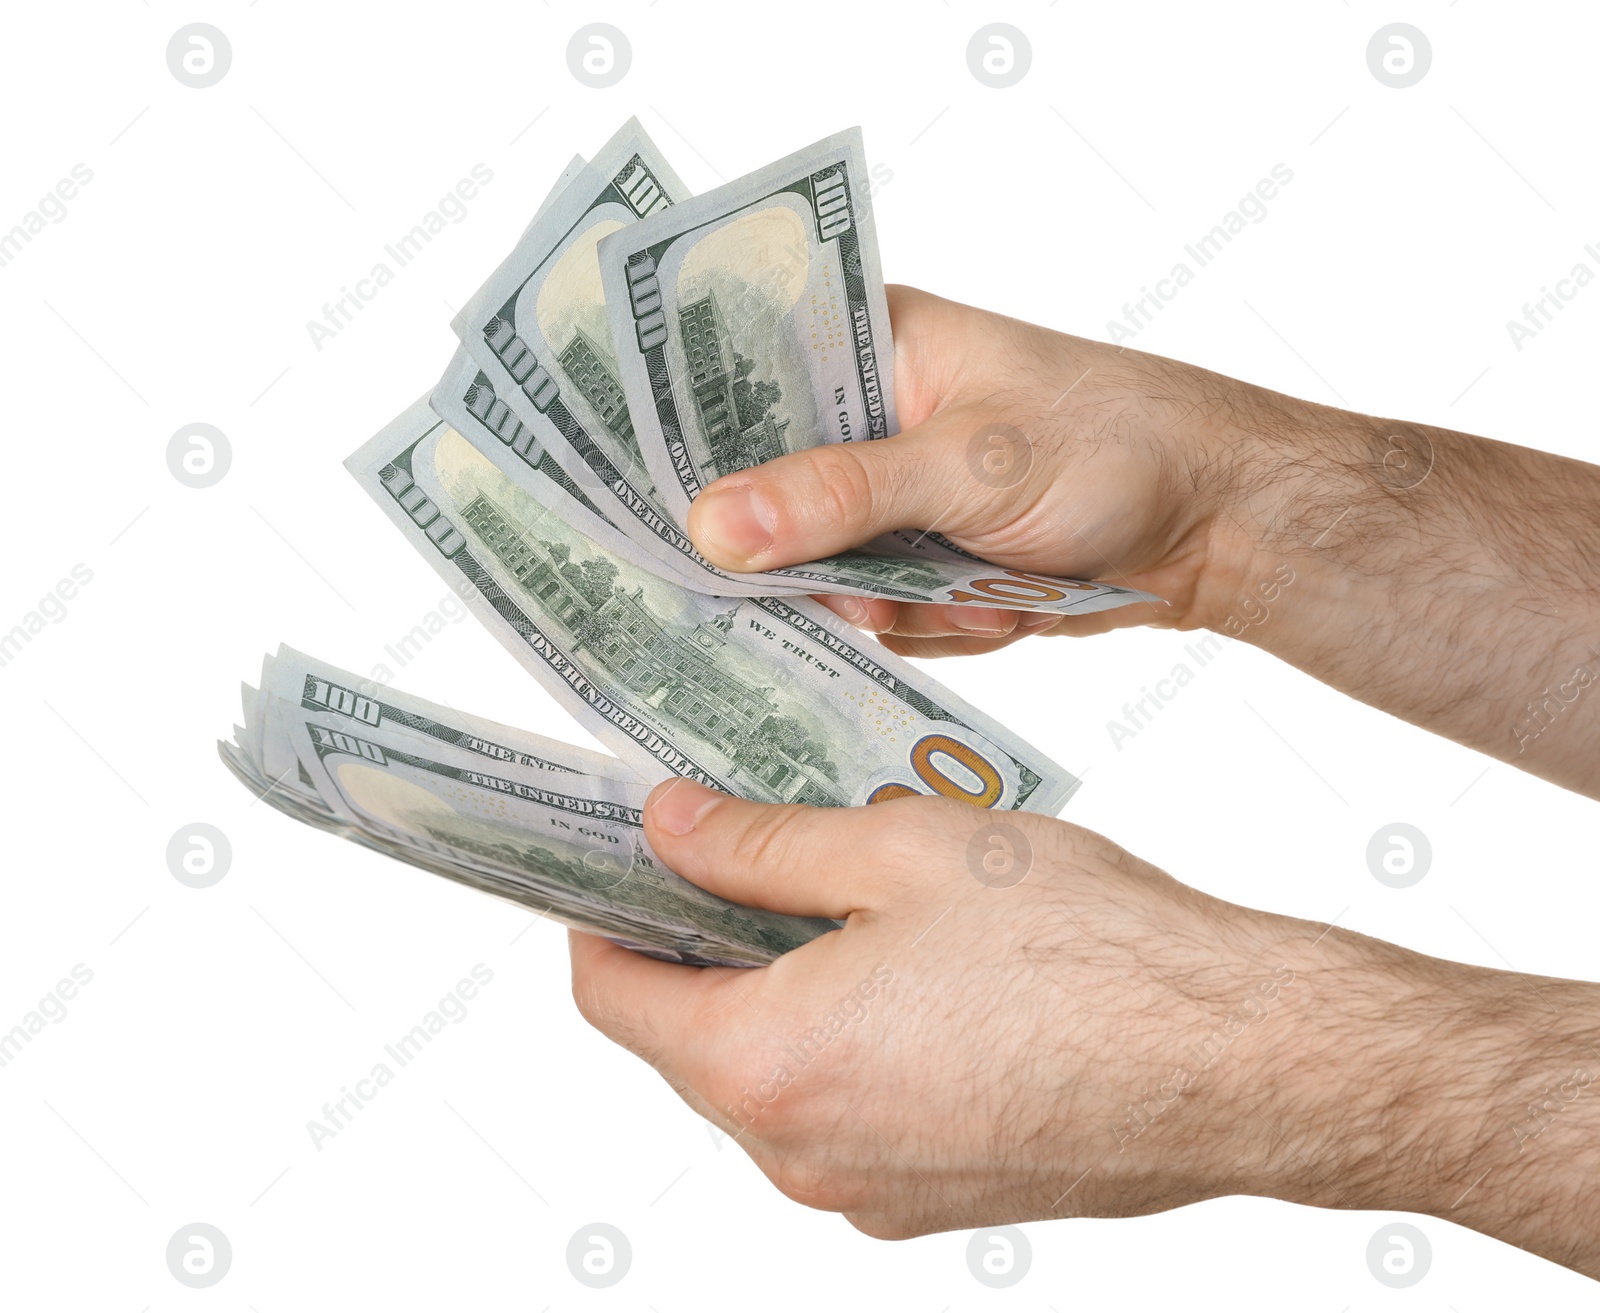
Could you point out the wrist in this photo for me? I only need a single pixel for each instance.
(1403, 1082)
(1290, 476)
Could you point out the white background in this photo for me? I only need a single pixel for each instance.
(178, 289)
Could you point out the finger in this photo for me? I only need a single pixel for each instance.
(924, 620)
(872, 614)
(825, 499)
(647, 1006)
(782, 857)
(1134, 614)
(930, 648)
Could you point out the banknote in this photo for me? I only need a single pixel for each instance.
(575, 166)
(750, 322)
(293, 677)
(466, 399)
(538, 333)
(755, 317)
(567, 844)
(292, 790)
(538, 329)
(770, 698)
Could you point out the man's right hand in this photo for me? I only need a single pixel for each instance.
(1445, 578)
(1032, 449)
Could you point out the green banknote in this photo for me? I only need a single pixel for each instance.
(770, 698)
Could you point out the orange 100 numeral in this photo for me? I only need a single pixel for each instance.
(990, 785)
(1018, 587)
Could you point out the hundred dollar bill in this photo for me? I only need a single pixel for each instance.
(297, 679)
(465, 398)
(538, 332)
(750, 322)
(769, 698)
(545, 384)
(754, 316)
(575, 166)
(567, 844)
(293, 793)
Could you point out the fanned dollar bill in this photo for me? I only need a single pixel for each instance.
(293, 677)
(509, 813)
(769, 698)
(575, 166)
(538, 332)
(751, 322)
(465, 398)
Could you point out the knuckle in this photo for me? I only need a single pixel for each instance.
(807, 1179)
(772, 839)
(592, 1008)
(850, 489)
(586, 1000)
(879, 1226)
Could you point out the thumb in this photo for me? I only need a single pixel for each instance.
(814, 503)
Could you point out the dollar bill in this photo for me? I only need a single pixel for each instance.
(754, 316)
(538, 334)
(563, 842)
(750, 322)
(297, 679)
(770, 698)
(538, 331)
(575, 166)
(466, 399)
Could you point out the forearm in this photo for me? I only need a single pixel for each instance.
(1467, 1094)
(1445, 578)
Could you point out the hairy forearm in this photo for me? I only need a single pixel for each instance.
(1468, 1094)
(1445, 578)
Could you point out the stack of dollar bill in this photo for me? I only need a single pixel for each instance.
(637, 344)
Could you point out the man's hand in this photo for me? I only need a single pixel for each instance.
(1445, 578)
(1034, 450)
(1019, 1020)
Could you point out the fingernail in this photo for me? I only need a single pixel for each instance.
(1038, 620)
(738, 520)
(680, 806)
(976, 621)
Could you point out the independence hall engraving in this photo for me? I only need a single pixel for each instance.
(674, 673)
(712, 375)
